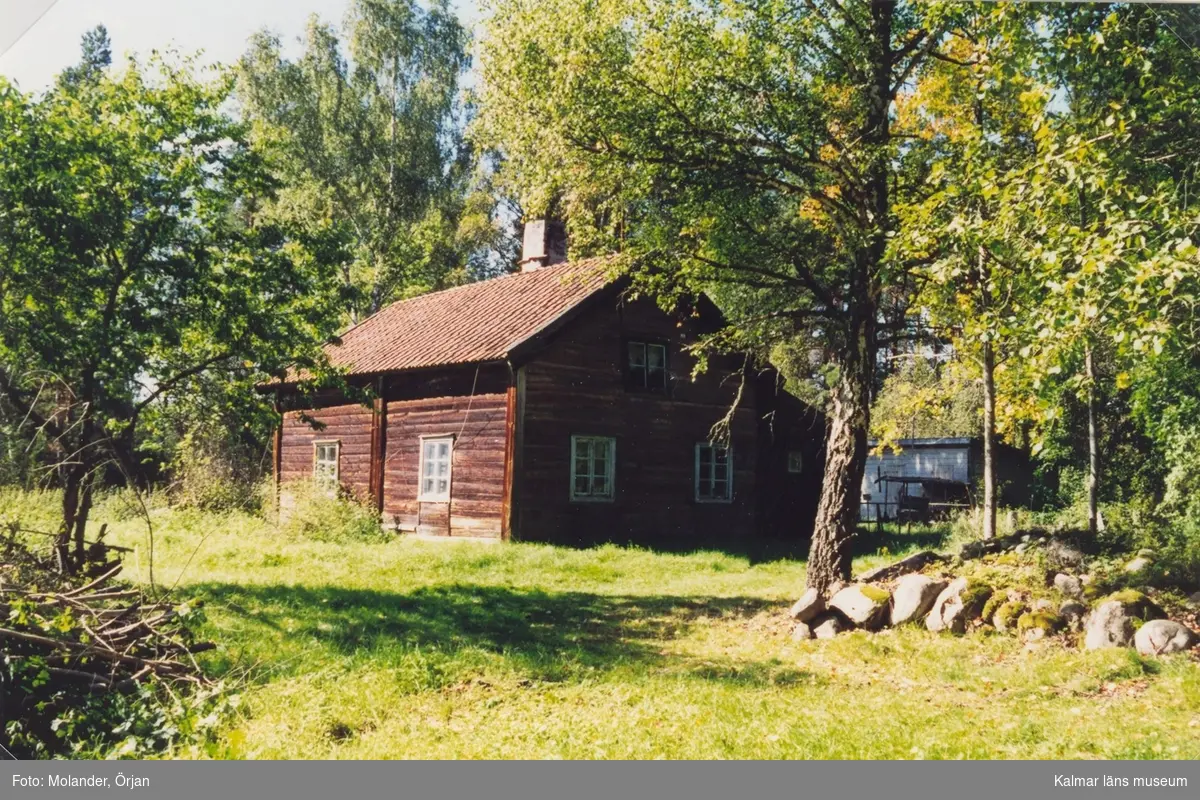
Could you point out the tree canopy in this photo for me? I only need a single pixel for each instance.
(136, 259)
(364, 131)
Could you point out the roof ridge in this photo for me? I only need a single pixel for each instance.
(563, 267)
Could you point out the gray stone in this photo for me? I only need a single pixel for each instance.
(1021, 548)
(1063, 555)
(1194, 600)
(801, 632)
(865, 606)
(828, 626)
(1042, 604)
(948, 612)
(1138, 564)
(1086, 579)
(1108, 626)
(1162, 636)
(1073, 614)
(1068, 585)
(913, 596)
(914, 563)
(810, 605)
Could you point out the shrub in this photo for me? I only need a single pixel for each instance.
(308, 513)
(207, 477)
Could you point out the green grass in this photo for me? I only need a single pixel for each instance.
(460, 650)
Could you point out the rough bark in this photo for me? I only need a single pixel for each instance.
(845, 462)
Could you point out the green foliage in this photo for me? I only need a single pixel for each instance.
(364, 131)
(922, 399)
(137, 264)
(310, 513)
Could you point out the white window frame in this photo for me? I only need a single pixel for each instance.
(798, 463)
(324, 479)
(645, 365)
(435, 496)
(609, 472)
(728, 498)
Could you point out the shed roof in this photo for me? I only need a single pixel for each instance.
(476, 322)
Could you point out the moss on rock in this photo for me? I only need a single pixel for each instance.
(1009, 613)
(875, 593)
(975, 597)
(1137, 605)
(993, 605)
(1045, 621)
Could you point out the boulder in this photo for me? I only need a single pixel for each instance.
(1068, 585)
(810, 606)
(913, 596)
(864, 605)
(956, 605)
(1162, 636)
(1042, 604)
(1108, 626)
(1194, 600)
(1073, 613)
(909, 564)
(1063, 555)
(828, 626)
(1136, 604)
(801, 632)
(1008, 614)
(1138, 564)
(1035, 625)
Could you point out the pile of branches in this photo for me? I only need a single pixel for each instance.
(68, 638)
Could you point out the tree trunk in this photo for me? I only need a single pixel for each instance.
(845, 462)
(70, 504)
(850, 401)
(989, 441)
(1093, 478)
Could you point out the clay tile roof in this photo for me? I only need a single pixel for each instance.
(482, 321)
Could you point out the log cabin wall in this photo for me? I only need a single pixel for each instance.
(348, 424)
(577, 386)
(444, 404)
(470, 404)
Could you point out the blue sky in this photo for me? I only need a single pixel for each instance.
(218, 27)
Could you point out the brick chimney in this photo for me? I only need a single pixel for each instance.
(543, 243)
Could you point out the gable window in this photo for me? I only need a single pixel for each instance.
(646, 365)
(592, 466)
(795, 462)
(714, 474)
(326, 456)
(437, 459)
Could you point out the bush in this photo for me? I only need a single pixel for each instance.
(309, 513)
(207, 476)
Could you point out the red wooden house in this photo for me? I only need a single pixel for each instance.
(549, 405)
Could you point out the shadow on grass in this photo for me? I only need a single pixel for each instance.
(546, 636)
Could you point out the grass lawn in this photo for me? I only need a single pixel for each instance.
(459, 650)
